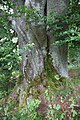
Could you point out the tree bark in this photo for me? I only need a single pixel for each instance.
(43, 61)
(58, 53)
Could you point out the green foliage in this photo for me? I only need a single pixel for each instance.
(12, 112)
(65, 28)
(9, 62)
(60, 108)
(9, 56)
(74, 54)
(29, 112)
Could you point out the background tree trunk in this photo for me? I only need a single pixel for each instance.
(58, 53)
(39, 62)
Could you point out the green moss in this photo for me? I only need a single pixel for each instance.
(20, 78)
(27, 27)
(52, 74)
(33, 87)
(48, 77)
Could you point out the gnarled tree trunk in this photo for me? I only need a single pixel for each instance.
(44, 60)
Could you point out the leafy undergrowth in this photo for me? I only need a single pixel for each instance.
(61, 103)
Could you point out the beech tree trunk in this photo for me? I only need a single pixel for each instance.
(44, 60)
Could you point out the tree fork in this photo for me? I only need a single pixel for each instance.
(44, 59)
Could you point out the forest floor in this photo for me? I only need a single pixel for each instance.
(68, 93)
(74, 74)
